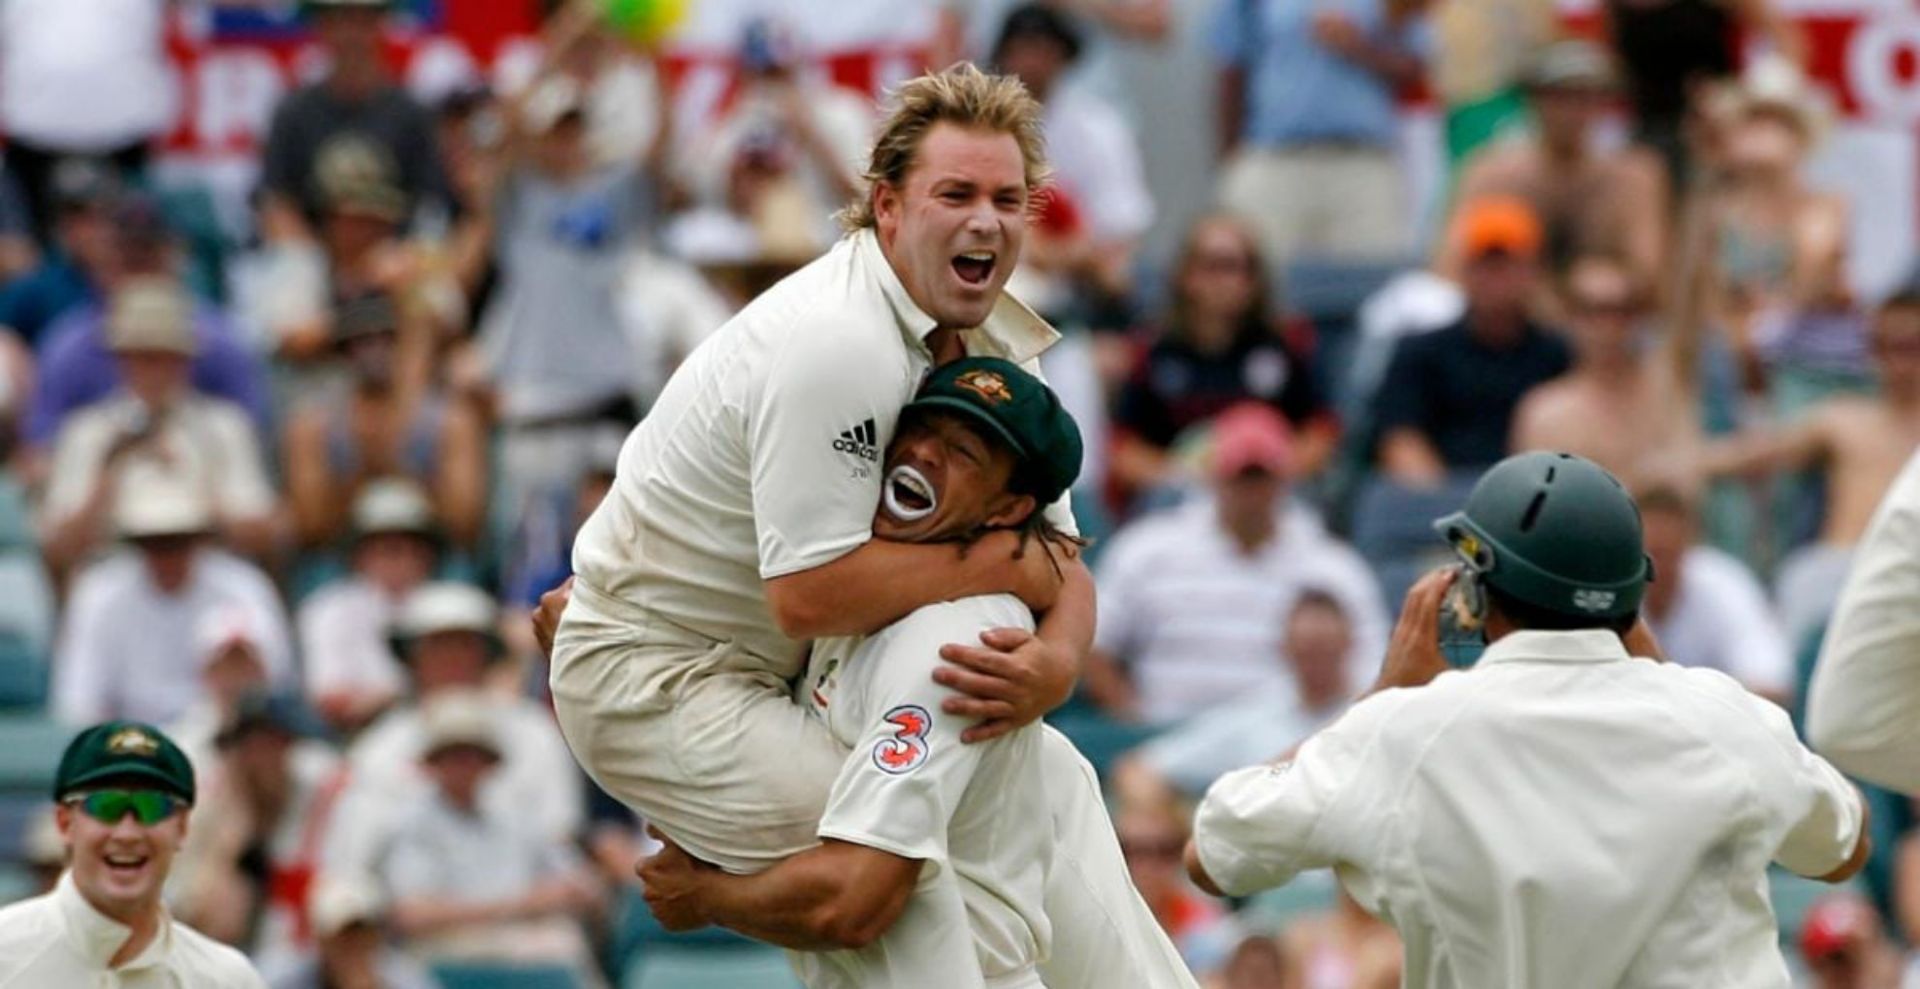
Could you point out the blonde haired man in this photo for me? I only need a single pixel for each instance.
(740, 521)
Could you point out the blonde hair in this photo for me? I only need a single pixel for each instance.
(961, 95)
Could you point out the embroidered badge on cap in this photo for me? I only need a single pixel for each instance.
(987, 385)
(134, 742)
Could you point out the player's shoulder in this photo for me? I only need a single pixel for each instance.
(960, 620)
(209, 963)
(24, 922)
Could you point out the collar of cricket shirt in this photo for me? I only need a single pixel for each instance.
(1591, 645)
(99, 937)
(1012, 331)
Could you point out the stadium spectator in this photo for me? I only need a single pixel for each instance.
(87, 80)
(1844, 945)
(154, 428)
(378, 423)
(1194, 598)
(1857, 443)
(1151, 840)
(355, 113)
(1343, 948)
(1219, 346)
(77, 367)
(1776, 247)
(350, 669)
(769, 172)
(83, 254)
(1309, 123)
(246, 870)
(129, 644)
(19, 253)
(1255, 963)
(1482, 50)
(1624, 404)
(1448, 397)
(1258, 726)
(353, 932)
(1670, 50)
(1589, 200)
(232, 668)
(447, 636)
(474, 881)
(1705, 607)
(1079, 257)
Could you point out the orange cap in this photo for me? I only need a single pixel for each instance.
(1506, 224)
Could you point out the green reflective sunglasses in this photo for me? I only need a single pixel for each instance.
(149, 807)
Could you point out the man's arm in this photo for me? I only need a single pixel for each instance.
(881, 582)
(1407, 456)
(833, 896)
(1013, 678)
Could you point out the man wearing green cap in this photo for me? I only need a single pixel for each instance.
(926, 840)
(123, 792)
(1563, 813)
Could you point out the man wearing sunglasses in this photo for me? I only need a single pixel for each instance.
(123, 793)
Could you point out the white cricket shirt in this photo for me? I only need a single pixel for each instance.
(911, 788)
(1560, 815)
(59, 939)
(762, 456)
(1863, 710)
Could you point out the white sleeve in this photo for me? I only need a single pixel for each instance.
(1259, 827)
(77, 453)
(81, 673)
(1820, 812)
(1117, 200)
(1117, 621)
(815, 439)
(245, 491)
(901, 784)
(1863, 710)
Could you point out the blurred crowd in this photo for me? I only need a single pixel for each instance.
(292, 495)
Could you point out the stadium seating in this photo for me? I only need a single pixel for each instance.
(749, 966)
(499, 976)
(1393, 529)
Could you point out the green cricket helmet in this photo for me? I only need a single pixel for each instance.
(1555, 531)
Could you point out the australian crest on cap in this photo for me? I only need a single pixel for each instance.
(986, 384)
(132, 741)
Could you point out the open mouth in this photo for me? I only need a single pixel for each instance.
(125, 865)
(908, 496)
(974, 267)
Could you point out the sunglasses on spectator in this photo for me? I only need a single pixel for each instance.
(149, 807)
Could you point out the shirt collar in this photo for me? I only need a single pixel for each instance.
(98, 937)
(1012, 331)
(1592, 645)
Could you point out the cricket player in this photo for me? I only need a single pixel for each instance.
(739, 524)
(122, 795)
(915, 814)
(1563, 813)
(1863, 710)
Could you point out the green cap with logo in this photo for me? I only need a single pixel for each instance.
(124, 752)
(1555, 531)
(1018, 409)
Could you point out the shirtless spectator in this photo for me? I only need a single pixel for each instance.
(1623, 405)
(377, 424)
(1859, 443)
(1588, 200)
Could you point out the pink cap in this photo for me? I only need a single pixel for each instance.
(1832, 925)
(1251, 435)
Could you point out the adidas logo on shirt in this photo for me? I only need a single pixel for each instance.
(859, 441)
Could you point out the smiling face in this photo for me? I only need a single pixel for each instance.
(945, 479)
(953, 227)
(120, 867)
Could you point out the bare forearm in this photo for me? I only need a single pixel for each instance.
(882, 582)
(835, 896)
(1409, 458)
(425, 917)
(1069, 623)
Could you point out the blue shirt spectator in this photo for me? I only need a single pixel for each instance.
(1298, 90)
(33, 302)
(76, 369)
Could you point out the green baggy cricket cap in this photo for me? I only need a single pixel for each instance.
(1016, 408)
(124, 752)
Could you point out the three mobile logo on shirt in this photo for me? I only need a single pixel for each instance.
(862, 441)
